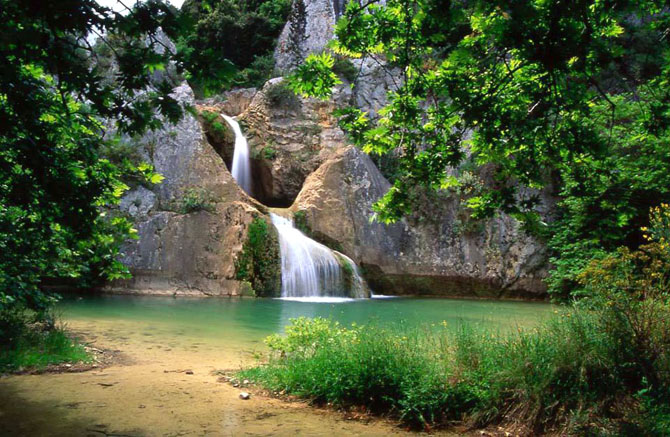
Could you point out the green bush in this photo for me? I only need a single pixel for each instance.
(195, 200)
(230, 42)
(257, 73)
(14, 323)
(269, 153)
(604, 202)
(573, 374)
(217, 129)
(366, 366)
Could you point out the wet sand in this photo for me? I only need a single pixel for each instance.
(147, 392)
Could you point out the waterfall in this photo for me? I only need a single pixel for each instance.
(241, 168)
(310, 269)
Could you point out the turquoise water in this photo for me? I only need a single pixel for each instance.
(248, 320)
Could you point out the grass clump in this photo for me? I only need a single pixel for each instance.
(269, 153)
(31, 342)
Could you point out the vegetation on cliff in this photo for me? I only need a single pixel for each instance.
(259, 262)
(230, 42)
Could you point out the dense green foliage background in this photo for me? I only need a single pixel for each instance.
(55, 182)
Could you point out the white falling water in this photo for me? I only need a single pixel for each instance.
(311, 270)
(241, 168)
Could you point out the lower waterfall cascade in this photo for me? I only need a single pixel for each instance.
(311, 270)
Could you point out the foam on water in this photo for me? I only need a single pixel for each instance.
(318, 299)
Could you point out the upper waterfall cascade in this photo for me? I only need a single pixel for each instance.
(241, 168)
(310, 269)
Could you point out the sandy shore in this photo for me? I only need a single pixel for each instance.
(147, 392)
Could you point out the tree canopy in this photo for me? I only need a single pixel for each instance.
(230, 42)
(55, 104)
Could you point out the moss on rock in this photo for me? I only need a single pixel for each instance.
(259, 262)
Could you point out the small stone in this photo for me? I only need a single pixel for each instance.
(189, 372)
(245, 382)
(68, 365)
(236, 385)
(244, 395)
(141, 406)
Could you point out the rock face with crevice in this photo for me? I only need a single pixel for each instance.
(179, 252)
(289, 137)
(309, 30)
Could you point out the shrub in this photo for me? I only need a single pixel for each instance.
(195, 199)
(269, 153)
(572, 374)
(217, 130)
(604, 202)
(13, 324)
(369, 366)
(230, 43)
(257, 73)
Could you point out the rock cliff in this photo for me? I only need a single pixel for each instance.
(185, 248)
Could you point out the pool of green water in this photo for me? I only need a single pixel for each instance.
(244, 322)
